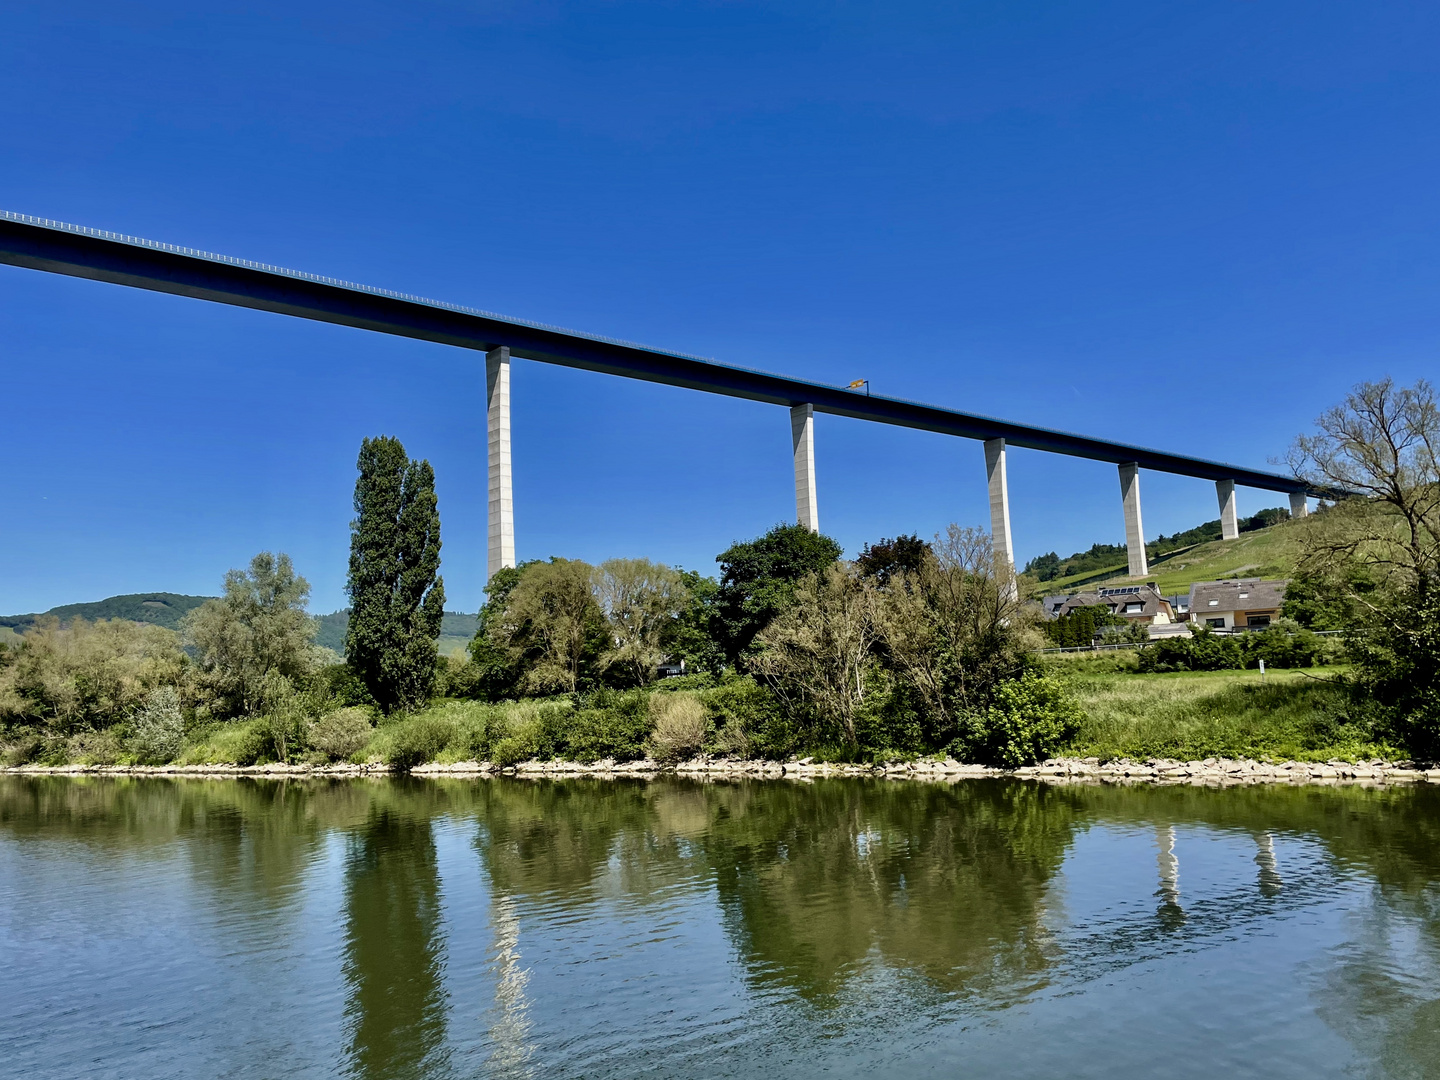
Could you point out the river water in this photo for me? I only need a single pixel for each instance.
(446, 928)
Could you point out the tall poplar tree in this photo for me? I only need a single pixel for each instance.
(397, 597)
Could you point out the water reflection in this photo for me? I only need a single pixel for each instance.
(958, 899)
(394, 949)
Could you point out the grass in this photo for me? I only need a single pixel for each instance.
(1289, 715)
(1268, 553)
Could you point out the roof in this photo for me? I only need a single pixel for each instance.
(1116, 599)
(1238, 594)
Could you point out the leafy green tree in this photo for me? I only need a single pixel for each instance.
(397, 597)
(1379, 552)
(258, 630)
(691, 637)
(641, 600)
(550, 631)
(495, 665)
(758, 580)
(85, 675)
(885, 559)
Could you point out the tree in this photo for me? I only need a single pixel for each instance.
(881, 561)
(758, 580)
(257, 631)
(815, 655)
(1378, 552)
(397, 597)
(86, 674)
(642, 600)
(496, 664)
(691, 637)
(551, 629)
(952, 634)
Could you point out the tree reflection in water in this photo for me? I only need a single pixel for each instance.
(394, 952)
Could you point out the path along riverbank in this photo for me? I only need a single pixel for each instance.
(1211, 771)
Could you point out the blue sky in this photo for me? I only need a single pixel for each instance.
(1190, 226)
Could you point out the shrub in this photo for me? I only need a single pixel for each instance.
(612, 724)
(158, 729)
(1280, 647)
(680, 726)
(747, 720)
(1205, 651)
(1031, 718)
(341, 734)
(418, 740)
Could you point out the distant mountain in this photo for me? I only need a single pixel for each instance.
(167, 609)
(456, 630)
(162, 609)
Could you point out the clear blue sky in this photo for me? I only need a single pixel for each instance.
(1190, 226)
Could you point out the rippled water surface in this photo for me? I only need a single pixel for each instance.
(438, 928)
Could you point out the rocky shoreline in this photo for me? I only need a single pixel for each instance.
(1211, 772)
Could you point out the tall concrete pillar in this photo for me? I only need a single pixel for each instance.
(1299, 507)
(802, 435)
(500, 539)
(1229, 524)
(1000, 514)
(1134, 530)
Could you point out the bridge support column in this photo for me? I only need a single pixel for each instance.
(500, 537)
(802, 436)
(1000, 515)
(1134, 529)
(1299, 507)
(1229, 524)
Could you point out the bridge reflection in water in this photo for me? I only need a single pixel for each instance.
(518, 928)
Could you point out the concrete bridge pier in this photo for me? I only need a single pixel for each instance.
(1299, 507)
(500, 536)
(1134, 529)
(1229, 523)
(1000, 516)
(802, 436)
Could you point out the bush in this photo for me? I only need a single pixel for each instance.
(747, 720)
(1031, 718)
(1205, 651)
(158, 729)
(680, 726)
(341, 734)
(611, 724)
(418, 740)
(1281, 647)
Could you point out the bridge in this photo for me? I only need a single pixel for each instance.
(59, 248)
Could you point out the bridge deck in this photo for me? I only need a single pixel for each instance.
(58, 248)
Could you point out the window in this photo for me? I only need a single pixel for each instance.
(1214, 603)
(1134, 607)
(1244, 596)
(1258, 621)
(1215, 624)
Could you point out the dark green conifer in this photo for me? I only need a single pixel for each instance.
(397, 597)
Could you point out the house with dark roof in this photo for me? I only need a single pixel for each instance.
(1134, 603)
(1242, 603)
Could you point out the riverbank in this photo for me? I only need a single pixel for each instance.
(1207, 772)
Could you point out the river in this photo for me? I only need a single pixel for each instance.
(443, 928)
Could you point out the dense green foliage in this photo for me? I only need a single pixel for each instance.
(758, 579)
(1279, 646)
(397, 598)
(1081, 626)
(253, 646)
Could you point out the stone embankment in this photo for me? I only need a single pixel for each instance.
(1210, 772)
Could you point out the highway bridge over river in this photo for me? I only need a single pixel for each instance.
(59, 248)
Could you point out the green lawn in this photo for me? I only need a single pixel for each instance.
(1287, 715)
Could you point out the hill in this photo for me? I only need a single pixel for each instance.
(456, 630)
(161, 609)
(1269, 552)
(167, 609)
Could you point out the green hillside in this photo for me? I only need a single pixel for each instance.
(456, 630)
(1265, 553)
(167, 609)
(162, 609)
